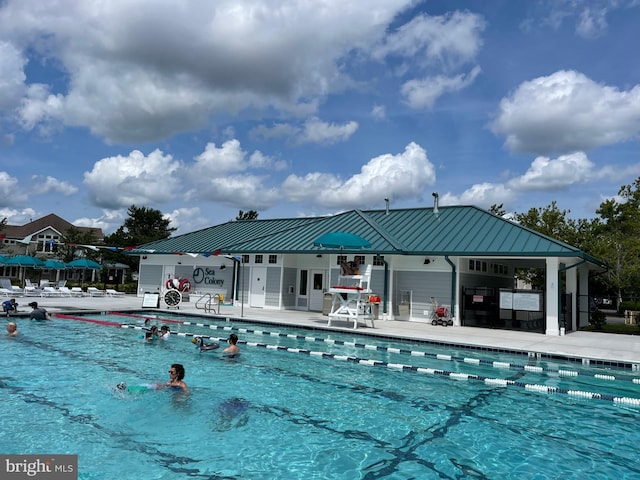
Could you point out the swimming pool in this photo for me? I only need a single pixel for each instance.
(308, 404)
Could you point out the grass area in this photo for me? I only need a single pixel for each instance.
(620, 328)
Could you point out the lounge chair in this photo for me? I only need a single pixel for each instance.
(77, 292)
(113, 293)
(50, 292)
(61, 283)
(94, 292)
(64, 291)
(30, 290)
(15, 291)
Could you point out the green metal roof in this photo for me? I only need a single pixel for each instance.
(455, 231)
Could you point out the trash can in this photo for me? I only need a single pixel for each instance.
(374, 301)
(326, 303)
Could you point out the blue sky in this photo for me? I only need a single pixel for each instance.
(201, 109)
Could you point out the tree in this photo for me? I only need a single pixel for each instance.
(250, 215)
(498, 210)
(70, 241)
(618, 235)
(144, 225)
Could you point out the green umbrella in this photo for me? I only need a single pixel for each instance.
(24, 261)
(84, 263)
(54, 265)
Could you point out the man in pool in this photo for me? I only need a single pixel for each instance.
(9, 306)
(232, 350)
(39, 313)
(12, 329)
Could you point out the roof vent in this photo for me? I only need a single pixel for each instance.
(386, 201)
(435, 202)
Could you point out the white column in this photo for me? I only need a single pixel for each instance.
(552, 297)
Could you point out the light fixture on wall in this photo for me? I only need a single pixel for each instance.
(427, 261)
(144, 257)
(223, 266)
(179, 263)
(319, 255)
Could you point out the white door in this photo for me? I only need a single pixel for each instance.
(316, 294)
(257, 289)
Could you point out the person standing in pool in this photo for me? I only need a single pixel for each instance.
(176, 376)
(233, 349)
(12, 329)
(39, 313)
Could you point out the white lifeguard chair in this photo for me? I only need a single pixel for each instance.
(351, 298)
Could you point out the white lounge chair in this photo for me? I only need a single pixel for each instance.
(6, 284)
(31, 290)
(50, 292)
(77, 292)
(94, 292)
(64, 291)
(111, 292)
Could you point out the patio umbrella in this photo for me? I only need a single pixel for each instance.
(84, 263)
(3, 260)
(54, 265)
(24, 261)
(342, 240)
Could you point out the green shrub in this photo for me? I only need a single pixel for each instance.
(628, 306)
(597, 319)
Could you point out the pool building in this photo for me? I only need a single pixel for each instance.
(463, 257)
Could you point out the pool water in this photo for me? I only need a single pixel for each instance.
(290, 407)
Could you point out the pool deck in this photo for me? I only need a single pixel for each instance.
(601, 347)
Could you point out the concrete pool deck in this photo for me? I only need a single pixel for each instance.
(602, 347)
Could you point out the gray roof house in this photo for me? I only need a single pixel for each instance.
(462, 257)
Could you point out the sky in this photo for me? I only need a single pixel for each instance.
(294, 108)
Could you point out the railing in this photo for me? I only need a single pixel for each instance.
(208, 303)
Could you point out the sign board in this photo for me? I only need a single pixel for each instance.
(506, 300)
(529, 302)
(151, 300)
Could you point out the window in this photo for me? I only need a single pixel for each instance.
(472, 264)
(273, 258)
(378, 260)
(245, 258)
(341, 259)
(359, 259)
(303, 282)
(258, 258)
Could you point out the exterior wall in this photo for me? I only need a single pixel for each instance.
(272, 287)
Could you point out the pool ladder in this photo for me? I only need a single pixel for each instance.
(209, 303)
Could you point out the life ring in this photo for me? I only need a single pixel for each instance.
(184, 285)
(172, 284)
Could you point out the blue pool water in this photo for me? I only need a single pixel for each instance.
(317, 407)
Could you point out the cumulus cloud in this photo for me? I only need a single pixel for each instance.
(482, 194)
(400, 176)
(10, 191)
(423, 93)
(546, 174)
(120, 181)
(566, 112)
(142, 70)
(48, 184)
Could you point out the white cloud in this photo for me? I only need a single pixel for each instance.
(547, 174)
(423, 93)
(566, 112)
(18, 217)
(482, 194)
(240, 191)
(12, 79)
(400, 176)
(313, 130)
(592, 22)
(378, 112)
(141, 70)
(117, 182)
(10, 191)
(449, 40)
(317, 131)
(48, 184)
